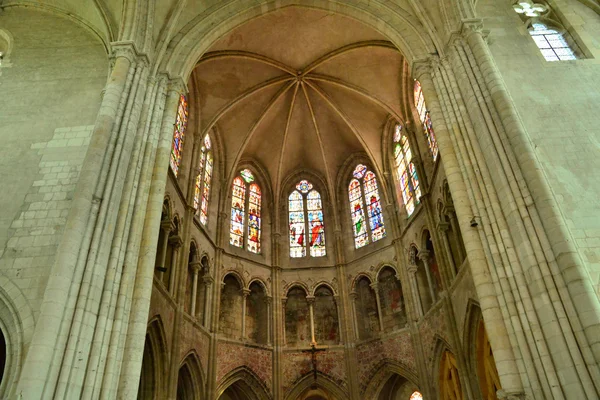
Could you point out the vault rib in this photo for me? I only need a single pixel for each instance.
(254, 126)
(283, 143)
(221, 54)
(358, 90)
(343, 50)
(320, 140)
(253, 90)
(351, 126)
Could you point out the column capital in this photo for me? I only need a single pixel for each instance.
(167, 226)
(443, 226)
(353, 295)
(310, 299)
(246, 292)
(374, 286)
(412, 269)
(424, 67)
(423, 255)
(208, 280)
(128, 50)
(268, 300)
(283, 300)
(195, 266)
(176, 241)
(470, 26)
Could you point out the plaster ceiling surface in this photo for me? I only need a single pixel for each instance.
(299, 89)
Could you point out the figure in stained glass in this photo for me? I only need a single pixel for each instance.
(306, 216)
(240, 203)
(425, 119)
(406, 174)
(203, 181)
(179, 134)
(363, 190)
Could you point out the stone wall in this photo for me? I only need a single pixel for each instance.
(231, 356)
(297, 364)
(51, 92)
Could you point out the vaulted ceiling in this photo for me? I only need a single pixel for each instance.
(299, 89)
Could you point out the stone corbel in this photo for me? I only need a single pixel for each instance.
(176, 241)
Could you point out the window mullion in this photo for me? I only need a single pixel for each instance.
(246, 216)
(366, 210)
(306, 224)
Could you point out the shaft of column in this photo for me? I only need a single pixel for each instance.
(176, 242)
(424, 256)
(443, 230)
(375, 288)
(245, 294)
(208, 281)
(412, 272)
(195, 269)
(311, 301)
(166, 227)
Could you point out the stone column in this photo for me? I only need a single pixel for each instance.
(353, 298)
(412, 272)
(166, 227)
(375, 287)
(442, 228)
(311, 301)
(456, 229)
(284, 338)
(245, 294)
(176, 242)
(206, 317)
(268, 302)
(336, 300)
(195, 266)
(424, 256)
(490, 308)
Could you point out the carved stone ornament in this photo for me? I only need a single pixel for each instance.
(530, 9)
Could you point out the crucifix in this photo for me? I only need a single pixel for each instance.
(313, 355)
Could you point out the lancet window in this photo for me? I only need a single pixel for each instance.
(179, 134)
(425, 120)
(245, 227)
(203, 181)
(406, 172)
(551, 42)
(363, 190)
(306, 225)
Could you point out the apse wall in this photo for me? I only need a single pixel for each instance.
(563, 129)
(51, 84)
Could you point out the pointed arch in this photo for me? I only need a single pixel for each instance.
(244, 379)
(190, 382)
(153, 361)
(445, 371)
(323, 382)
(383, 372)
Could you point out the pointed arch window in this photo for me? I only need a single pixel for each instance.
(406, 172)
(425, 120)
(306, 223)
(179, 134)
(552, 43)
(363, 190)
(203, 181)
(239, 235)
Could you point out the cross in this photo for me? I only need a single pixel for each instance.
(530, 9)
(313, 355)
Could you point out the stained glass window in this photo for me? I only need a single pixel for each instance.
(363, 190)
(416, 396)
(315, 221)
(297, 227)
(178, 134)
(306, 222)
(254, 220)
(552, 44)
(243, 184)
(238, 203)
(203, 181)
(406, 172)
(425, 119)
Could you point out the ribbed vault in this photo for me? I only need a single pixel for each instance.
(292, 90)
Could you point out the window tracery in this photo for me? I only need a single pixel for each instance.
(306, 224)
(240, 202)
(362, 190)
(179, 134)
(406, 172)
(551, 42)
(425, 120)
(203, 181)
(416, 396)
